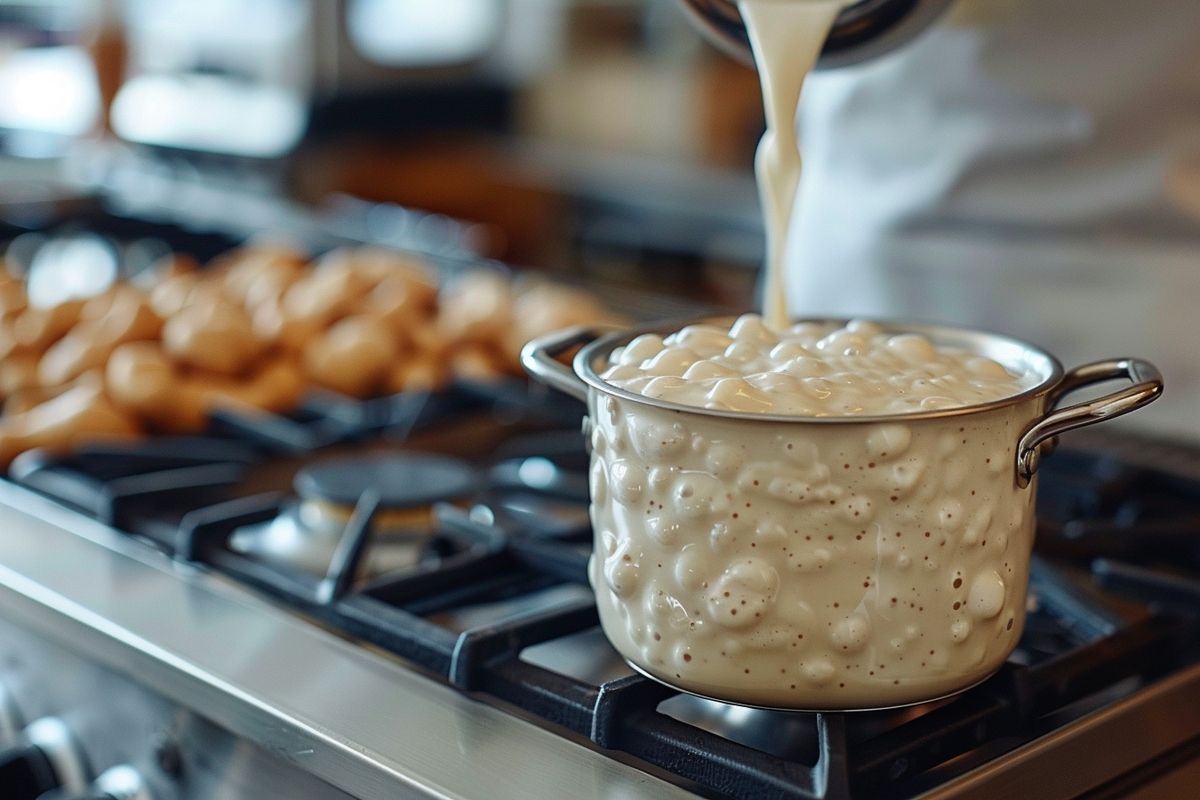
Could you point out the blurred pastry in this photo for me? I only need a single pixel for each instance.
(214, 336)
(476, 307)
(37, 328)
(128, 318)
(353, 356)
(80, 414)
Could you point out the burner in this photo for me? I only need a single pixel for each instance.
(405, 481)
(305, 534)
(303, 538)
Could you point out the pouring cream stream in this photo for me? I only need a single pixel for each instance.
(786, 36)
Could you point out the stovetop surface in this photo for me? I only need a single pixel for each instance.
(487, 592)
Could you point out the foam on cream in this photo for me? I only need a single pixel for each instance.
(808, 370)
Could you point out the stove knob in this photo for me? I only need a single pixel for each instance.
(46, 759)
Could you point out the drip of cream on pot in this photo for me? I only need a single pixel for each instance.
(786, 36)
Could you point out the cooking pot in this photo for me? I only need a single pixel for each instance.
(821, 562)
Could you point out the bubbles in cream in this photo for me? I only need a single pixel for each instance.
(809, 370)
(800, 565)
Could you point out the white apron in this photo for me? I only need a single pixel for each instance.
(1027, 166)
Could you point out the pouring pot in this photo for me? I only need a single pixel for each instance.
(821, 563)
(863, 29)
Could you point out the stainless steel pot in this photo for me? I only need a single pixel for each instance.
(863, 29)
(821, 563)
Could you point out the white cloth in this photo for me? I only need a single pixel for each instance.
(1027, 166)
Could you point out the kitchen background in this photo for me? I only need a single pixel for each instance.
(602, 138)
(288, 595)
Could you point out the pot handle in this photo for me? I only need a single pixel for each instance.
(1147, 387)
(539, 358)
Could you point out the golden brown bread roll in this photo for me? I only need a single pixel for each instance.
(38, 328)
(25, 399)
(277, 387)
(261, 273)
(324, 295)
(271, 324)
(18, 372)
(213, 336)
(128, 318)
(80, 414)
(377, 264)
(8, 341)
(402, 302)
(142, 379)
(353, 356)
(427, 338)
(477, 307)
(267, 287)
(12, 297)
(100, 305)
(169, 295)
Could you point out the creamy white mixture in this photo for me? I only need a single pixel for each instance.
(787, 37)
(850, 565)
(808, 370)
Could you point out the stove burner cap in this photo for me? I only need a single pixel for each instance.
(408, 480)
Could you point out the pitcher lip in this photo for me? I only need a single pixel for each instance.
(972, 340)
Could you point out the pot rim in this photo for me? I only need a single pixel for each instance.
(985, 343)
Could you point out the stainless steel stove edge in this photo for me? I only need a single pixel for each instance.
(1093, 750)
(356, 719)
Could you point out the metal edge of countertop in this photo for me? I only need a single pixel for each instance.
(356, 718)
(1096, 749)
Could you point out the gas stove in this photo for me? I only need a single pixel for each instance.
(389, 599)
